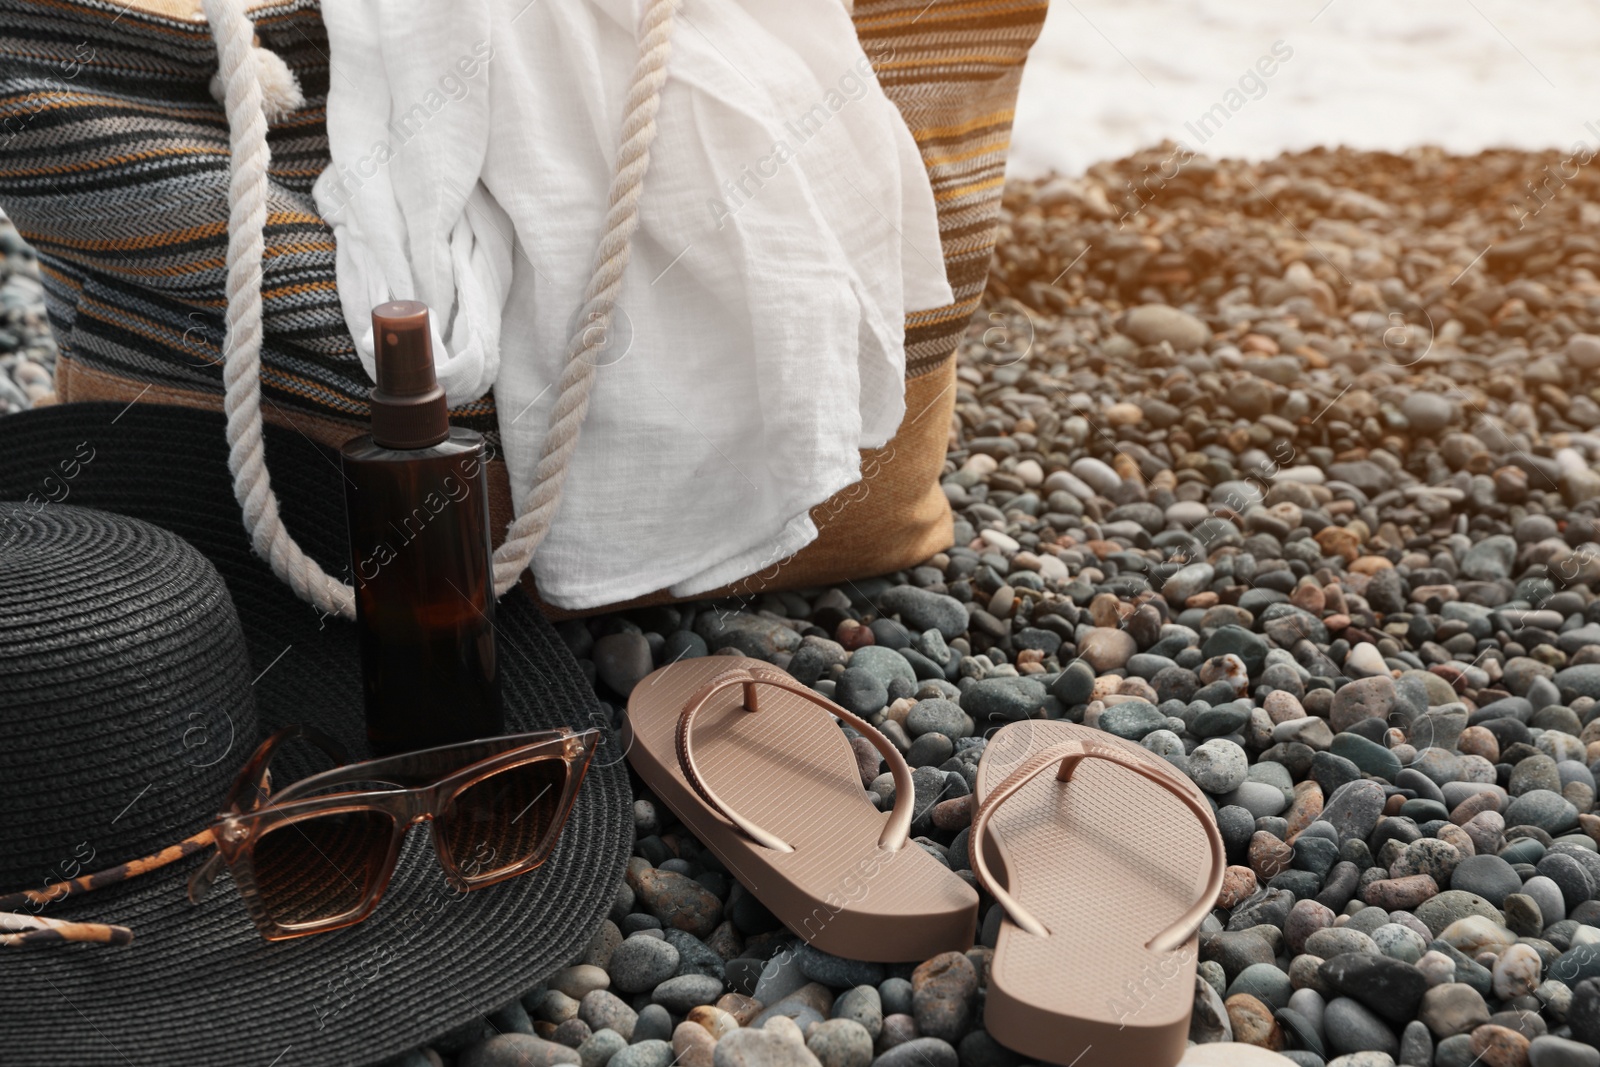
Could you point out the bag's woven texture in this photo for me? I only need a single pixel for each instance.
(114, 165)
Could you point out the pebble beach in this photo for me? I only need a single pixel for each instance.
(1288, 471)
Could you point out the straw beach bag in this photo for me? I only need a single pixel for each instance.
(115, 165)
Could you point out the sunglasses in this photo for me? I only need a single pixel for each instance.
(318, 854)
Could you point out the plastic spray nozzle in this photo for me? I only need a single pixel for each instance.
(408, 407)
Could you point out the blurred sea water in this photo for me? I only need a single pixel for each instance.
(1110, 76)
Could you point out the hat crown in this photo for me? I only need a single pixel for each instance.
(125, 703)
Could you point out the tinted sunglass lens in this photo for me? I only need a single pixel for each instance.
(317, 869)
(502, 820)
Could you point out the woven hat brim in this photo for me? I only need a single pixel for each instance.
(199, 985)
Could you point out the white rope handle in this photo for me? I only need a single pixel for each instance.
(241, 349)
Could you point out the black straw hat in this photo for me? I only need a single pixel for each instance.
(140, 663)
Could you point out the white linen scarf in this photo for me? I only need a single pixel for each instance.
(786, 228)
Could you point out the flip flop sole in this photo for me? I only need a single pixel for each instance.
(789, 769)
(1106, 862)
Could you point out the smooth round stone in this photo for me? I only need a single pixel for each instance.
(1490, 877)
(1187, 581)
(1220, 721)
(1421, 783)
(1428, 413)
(1516, 972)
(1547, 895)
(1456, 793)
(840, 1043)
(1209, 1021)
(655, 1022)
(516, 1050)
(1151, 324)
(1535, 772)
(1258, 798)
(862, 1004)
(884, 664)
(923, 609)
(579, 981)
(1455, 1051)
(1524, 917)
(1438, 764)
(1367, 919)
(1106, 649)
(1550, 812)
(1523, 850)
(1437, 968)
(1251, 1020)
(642, 962)
(1300, 1029)
(652, 1053)
(895, 996)
(1569, 876)
(1476, 933)
(918, 1052)
(1305, 919)
(1310, 1004)
(622, 660)
(1075, 684)
(1431, 856)
(1353, 809)
(1132, 720)
(1265, 982)
(1187, 513)
(937, 715)
(1218, 766)
(1439, 912)
(687, 991)
(1575, 772)
(1423, 810)
(1550, 1051)
(929, 750)
(1416, 1045)
(1166, 744)
(1369, 756)
(1452, 1008)
(1008, 699)
(1350, 1026)
(1399, 942)
(1337, 940)
(600, 1047)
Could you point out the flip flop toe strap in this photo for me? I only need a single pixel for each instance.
(895, 832)
(1068, 755)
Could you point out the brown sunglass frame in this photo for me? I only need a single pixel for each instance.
(423, 787)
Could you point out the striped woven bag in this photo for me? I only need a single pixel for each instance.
(114, 164)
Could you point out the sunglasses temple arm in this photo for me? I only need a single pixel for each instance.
(249, 789)
(16, 929)
(111, 875)
(329, 745)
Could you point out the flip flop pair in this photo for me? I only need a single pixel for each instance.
(1103, 859)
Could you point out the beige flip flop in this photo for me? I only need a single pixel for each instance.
(754, 765)
(1105, 862)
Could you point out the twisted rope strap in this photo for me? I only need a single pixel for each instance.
(247, 216)
(241, 347)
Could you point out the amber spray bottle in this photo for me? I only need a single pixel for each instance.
(417, 505)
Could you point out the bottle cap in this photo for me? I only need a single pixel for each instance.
(408, 407)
